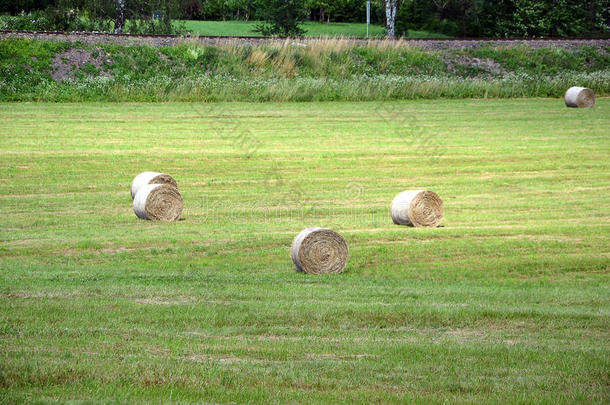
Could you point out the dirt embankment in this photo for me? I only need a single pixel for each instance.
(431, 44)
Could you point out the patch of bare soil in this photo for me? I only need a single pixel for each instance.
(66, 65)
(161, 301)
(205, 358)
(116, 250)
(485, 66)
(331, 356)
(101, 38)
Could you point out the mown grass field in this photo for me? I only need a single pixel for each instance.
(508, 302)
(313, 29)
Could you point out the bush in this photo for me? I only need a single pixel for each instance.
(506, 18)
(99, 15)
(53, 19)
(15, 7)
(283, 18)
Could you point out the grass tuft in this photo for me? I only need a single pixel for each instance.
(321, 70)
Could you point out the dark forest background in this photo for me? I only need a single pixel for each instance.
(473, 18)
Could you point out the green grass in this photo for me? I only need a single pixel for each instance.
(314, 29)
(322, 70)
(509, 302)
(426, 34)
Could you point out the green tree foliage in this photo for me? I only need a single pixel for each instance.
(336, 10)
(316, 10)
(221, 9)
(17, 6)
(506, 18)
(149, 16)
(476, 18)
(282, 17)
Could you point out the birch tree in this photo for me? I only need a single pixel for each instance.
(390, 17)
(120, 16)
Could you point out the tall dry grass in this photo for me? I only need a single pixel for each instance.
(292, 70)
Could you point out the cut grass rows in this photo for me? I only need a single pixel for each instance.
(507, 303)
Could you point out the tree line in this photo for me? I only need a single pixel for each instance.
(473, 18)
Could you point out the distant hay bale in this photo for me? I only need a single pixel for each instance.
(145, 178)
(580, 97)
(319, 251)
(418, 208)
(158, 202)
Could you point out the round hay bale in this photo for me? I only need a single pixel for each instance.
(418, 208)
(145, 178)
(158, 202)
(580, 97)
(319, 251)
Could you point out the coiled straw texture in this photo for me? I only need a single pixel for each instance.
(319, 251)
(145, 178)
(580, 97)
(158, 202)
(418, 208)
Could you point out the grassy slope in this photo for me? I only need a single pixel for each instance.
(327, 70)
(508, 302)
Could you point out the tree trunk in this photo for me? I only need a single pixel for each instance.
(167, 20)
(119, 22)
(390, 17)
